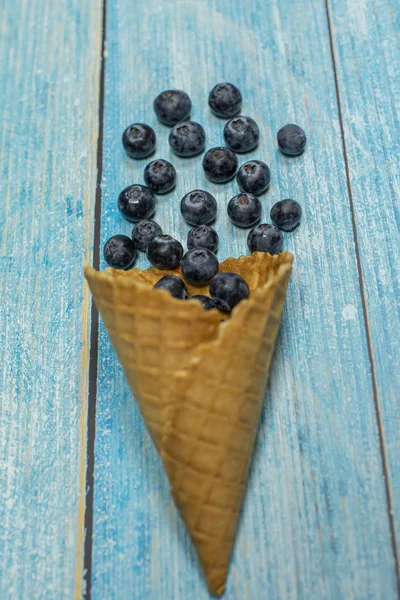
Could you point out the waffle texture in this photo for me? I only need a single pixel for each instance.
(199, 382)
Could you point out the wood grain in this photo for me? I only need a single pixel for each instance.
(370, 104)
(49, 65)
(315, 522)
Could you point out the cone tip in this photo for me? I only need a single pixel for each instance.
(216, 585)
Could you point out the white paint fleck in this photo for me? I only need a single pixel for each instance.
(349, 313)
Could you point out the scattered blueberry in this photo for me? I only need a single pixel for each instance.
(119, 252)
(174, 285)
(139, 140)
(136, 202)
(160, 176)
(203, 236)
(206, 302)
(198, 207)
(172, 107)
(225, 100)
(265, 238)
(244, 210)
(220, 164)
(291, 140)
(199, 266)
(187, 139)
(143, 232)
(241, 134)
(253, 177)
(164, 252)
(286, 214)
(227, 289)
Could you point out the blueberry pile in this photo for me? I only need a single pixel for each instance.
(137, 203)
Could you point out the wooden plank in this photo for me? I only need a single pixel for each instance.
(49, 65)
(367, 69)
(315, 521)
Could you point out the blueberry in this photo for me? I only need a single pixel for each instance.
(203, 236)
(198, 207)
(225, 100)
(227, 289)
(265, 238)
(143, 232)
(244, 210)
(174, 285)
(220, 164)
(286, 214)
(160, 176)
(172, 107)
(206, 302)
(139, 140)
(164, 252)
(291, 140)
(199, 266)
(187, 139)
(119, 252)
(241, 134)
(253, 177)
(136, 202)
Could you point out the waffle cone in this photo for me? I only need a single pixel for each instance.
(199, 383)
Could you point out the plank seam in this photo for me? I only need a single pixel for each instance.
(92, 399)
(385, 462)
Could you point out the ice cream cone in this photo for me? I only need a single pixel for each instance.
(199, 383)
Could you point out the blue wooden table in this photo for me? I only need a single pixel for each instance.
(84, 503)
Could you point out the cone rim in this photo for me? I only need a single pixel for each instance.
(129, 279)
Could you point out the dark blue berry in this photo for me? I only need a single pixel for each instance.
(172, 106)
(244, 210)
(174, 285)
(291, 140)
(241, 134)
(253, 177)
(187, 139)
(164, 252)
(160, 176)
(227, 289)
(265, 238)
(198, 207)
(206, 302)
(139, 140)
(119, 252)
(136, 202)
(199, 266)
(220, 164)
(286, 214)
(225, 100)
(143, 232)
(203, 236)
